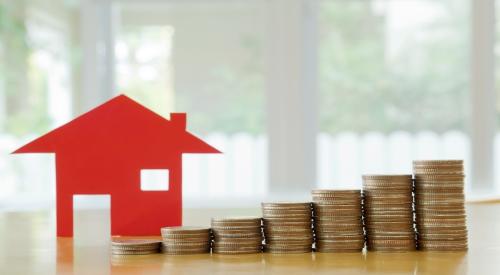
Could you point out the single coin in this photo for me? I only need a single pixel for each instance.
(238, 219)
(390, 248)
(444, 208)
(444, 178)
(439, 227)
(337, 212)
(235, 225)
(338, 244)
(386, 183)
(389, 187)
(286, 205)
(440, 216)
(319, 202)
(339, 219)
(336, 215)
(237, 252)
(440, 237)
(439, 162)
(334, 223)
(435, 242)
(346, 192)
(135, 242)
(327, 230)
(186, 251)
(398, 236)
(438, 190)
(391, 243)
(447, 220)
(237, 236)
(439, 171)
(288, 216)
(337, 201)
(287, 223)
(439, 166)
(134, 246)
(185, 236)
(390, 177)
(432, 187)
(333, 236)
(187, 240)
(236, 247)
(437, 246)
(236, 229)
(186, 245)
(184, 231)
(287, 250)
(129, 252)
(328, 206)
(338, 250)
(439, 195)
(464, 248)
(291, 238)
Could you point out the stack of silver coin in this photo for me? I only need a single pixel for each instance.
(186, 240)
(338, 226)
(439, 204)
(237, 235)
(388, 212)
(134, 246)
(287, 227)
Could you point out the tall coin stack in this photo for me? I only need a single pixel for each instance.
(237, 235)
(185, 240)
(134, 247)
(287, 227)
(338, 226)
(439, 204)
(388, 212)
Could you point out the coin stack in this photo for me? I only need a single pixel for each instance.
(338, 226)
(388, 212)
(186, 240)
(134, 247)
(439, 204)
(237, 235)
(287, 227)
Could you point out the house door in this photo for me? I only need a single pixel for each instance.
(91, 220)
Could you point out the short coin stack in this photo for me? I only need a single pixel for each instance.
(388, 212)
(185, 240)
(288, 227)
(338, 226)
(237, 235)
(439, 204)
(134, 247)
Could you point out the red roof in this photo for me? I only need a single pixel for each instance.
(118, 123)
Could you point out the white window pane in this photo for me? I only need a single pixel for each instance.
(154, 180)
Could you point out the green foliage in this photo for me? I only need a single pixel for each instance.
(236, 102)
(230, 99)
(235, 94)
(24, 88)
(366, 87)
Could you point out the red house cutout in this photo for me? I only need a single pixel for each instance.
(103, 152)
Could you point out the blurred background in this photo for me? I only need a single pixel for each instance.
(298, 94)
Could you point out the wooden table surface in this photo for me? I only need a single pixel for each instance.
(28, 246)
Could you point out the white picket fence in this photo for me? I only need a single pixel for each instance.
(344, 157)
(242, 170)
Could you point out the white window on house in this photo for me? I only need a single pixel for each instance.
(154, 179)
